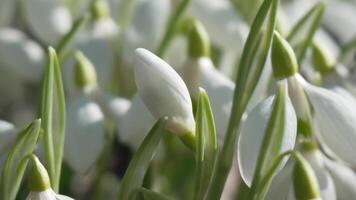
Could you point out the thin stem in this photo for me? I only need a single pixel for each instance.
(172, 27)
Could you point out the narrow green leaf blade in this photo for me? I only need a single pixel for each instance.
(69, 37)
(24, 145)
(206, 145)
(302, 33)
(141, 160)
(59, 132)
(47, 113)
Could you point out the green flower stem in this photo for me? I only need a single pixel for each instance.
(69, 37)
(302, 33)
(172, 27)
(125, 13)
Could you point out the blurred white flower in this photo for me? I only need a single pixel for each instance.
(20, 55)
(253, 130)
(48, 194)
(85, 133)
(163, 92)
(47, 19)
(146, 28)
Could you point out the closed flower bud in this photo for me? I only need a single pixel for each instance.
(163, 92)
(84, 72)
(322, 60)
(284, 62)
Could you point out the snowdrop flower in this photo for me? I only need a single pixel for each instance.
(86, 114)
(20, 55)
(164, 92)
(335, 121)
(334, 179)
(47, 19)
(85, 133)
(39, 183)
(254, 127)
(252, 134)
(226, 29)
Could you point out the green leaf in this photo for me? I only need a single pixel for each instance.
(206, 145)
(69, 37)
(272, 140)
(47, 113)
(302, 33)
(16, 162)
(53, 98)
(146, 194)
(251, 65)
(59, 136)
(141, 160)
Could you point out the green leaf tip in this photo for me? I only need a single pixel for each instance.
(284, 61)
(84, 71)
(198, 39)
(38, 177)
(305, 183)
(322, 60)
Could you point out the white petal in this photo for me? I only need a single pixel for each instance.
(220, 90)
(344, 179)
(163, 91)
(7, 135)
(136, 123)
(20, 55)
(48, 194)
(105, 28)
(282, 184)
(146, 28)
(63, 197)
(47, 19)
(84, 134)
(326, 184)
(336, 121)
(252, 133)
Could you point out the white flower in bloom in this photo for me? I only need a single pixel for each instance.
(252, 134)
(335, 120)
(335, 179)
(19, 55)
(163, 92)
(84, 134)
(48, 194)
(47, 19)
